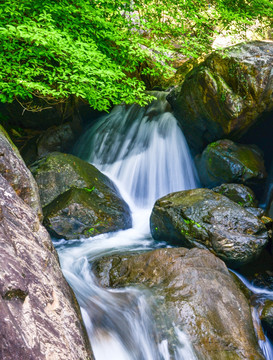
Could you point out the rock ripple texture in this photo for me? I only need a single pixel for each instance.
(198, 293)
(205, 219)
(39, 316)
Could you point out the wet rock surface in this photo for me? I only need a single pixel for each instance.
(198, 293)
(84, 213)
(14, 170)
(39, 316)
(227, 162)
(205, 219)
(238, 193)
(78, 200)
(226, 94)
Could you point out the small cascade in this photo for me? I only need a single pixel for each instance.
(142, 148)
(260, 295)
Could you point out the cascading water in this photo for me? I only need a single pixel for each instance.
(142, 148)
(259, 297)
(144, 151)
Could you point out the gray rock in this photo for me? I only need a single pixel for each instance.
(226, 94)
(205, 219)
(199, 295)
(14, 170)
(39, 316)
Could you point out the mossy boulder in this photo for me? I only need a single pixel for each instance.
(226, 94)
(78, 198)
(198, 295)
(205, 219)
(14, 170)
(84, 213)
(227, 162)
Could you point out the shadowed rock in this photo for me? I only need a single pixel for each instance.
(226, 94)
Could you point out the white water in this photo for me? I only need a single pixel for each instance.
(144, 151)
(260, 295)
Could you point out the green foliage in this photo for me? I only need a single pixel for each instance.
(62, 49)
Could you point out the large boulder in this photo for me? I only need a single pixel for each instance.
(84, 213)
(198, 294)
(78, 200)
(39, 316)
(226, 94)
(205, 219)
(227, 162)
(14, 170)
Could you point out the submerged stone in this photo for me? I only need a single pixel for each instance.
(205, 219)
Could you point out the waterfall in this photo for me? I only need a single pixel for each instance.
(144, 152)
(143, 149)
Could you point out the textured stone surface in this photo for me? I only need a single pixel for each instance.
(84, 213)
(39, 316)
(199, 294)
(226, 94)
(227, 162)
(78, 200)
(14, 170)
(205, 219)
(238, 193)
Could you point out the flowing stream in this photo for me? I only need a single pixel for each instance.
(145, 153)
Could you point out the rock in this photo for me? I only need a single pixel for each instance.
(78, 198)
(14, 170)
(238, 193)
(200, 296)
(267, 318)
(226, 94)
(243, 196)
(84, 213)
(205, 219)
(227, 162)
(57, 138)
(39, 316)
